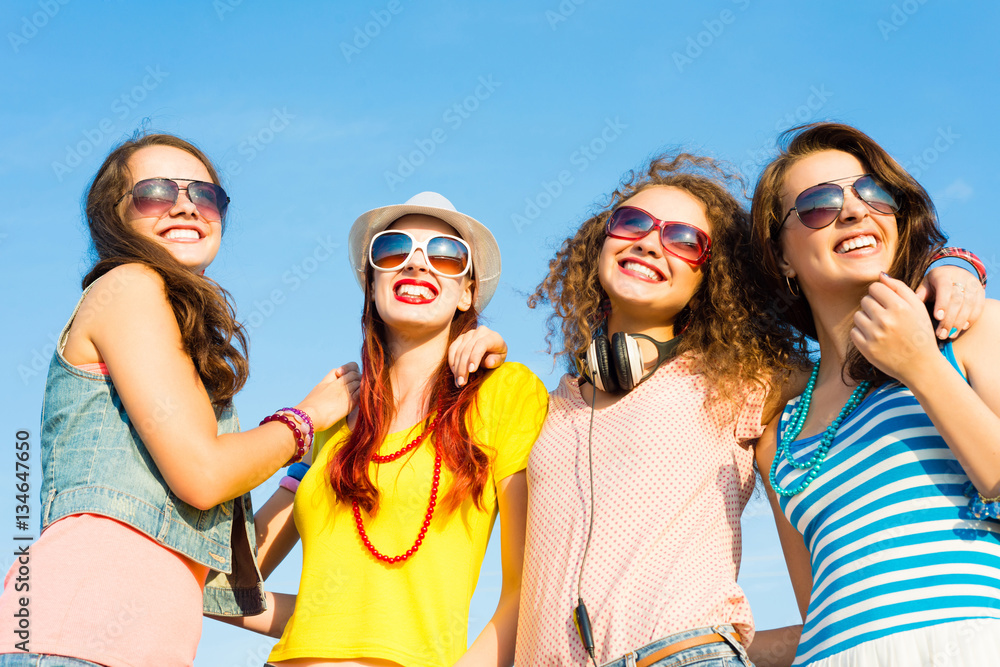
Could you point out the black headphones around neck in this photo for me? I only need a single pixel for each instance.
(616, 366)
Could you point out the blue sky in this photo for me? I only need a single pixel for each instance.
(524, 114)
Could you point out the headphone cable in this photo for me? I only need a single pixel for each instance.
(580, 616)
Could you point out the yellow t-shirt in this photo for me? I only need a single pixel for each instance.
(351, 605)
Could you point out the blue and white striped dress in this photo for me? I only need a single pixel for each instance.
(892, 543)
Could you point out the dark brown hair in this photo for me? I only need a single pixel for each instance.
(735, 344)
(205, 314)
(468, 461)
(916, 220)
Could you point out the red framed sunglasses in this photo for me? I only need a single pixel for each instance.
(680, 239)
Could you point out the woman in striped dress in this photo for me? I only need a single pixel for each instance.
(881, 473)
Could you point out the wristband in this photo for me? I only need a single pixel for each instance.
(965, 255)
(289, 483)
(297, 470)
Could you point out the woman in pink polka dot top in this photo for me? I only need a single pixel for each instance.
(636, 488)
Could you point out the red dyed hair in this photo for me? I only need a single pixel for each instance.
(467, 459)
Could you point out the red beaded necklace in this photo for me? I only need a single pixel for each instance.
(430, 506)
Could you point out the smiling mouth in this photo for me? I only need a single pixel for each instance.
(856, 243)
(642, 270)
(181, 234)
(411, 293)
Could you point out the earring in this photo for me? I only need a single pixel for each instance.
(794, 291)
(604, 309)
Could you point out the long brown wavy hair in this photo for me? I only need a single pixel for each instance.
(460, 452)
(917, 225)
(729, 334)
(207, 319)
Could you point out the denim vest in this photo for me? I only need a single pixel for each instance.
(93, 461)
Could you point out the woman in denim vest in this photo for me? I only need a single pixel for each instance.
(145, 501)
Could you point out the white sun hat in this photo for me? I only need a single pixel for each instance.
(485, 251)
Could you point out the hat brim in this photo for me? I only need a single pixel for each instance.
(485, 251)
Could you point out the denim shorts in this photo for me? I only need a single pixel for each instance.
(729, 653)
(42, 660)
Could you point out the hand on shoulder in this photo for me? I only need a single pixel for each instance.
(979, 343)
(480, 347)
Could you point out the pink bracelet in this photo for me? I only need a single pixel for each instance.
(289, 483)
(304, 418)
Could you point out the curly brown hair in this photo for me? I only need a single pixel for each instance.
(204, 311)
(734, 342)
(916, 220)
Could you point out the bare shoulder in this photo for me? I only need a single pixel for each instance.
(766, 446)
(126, 293)
(792, 385)
(981, 336)
(128, 281)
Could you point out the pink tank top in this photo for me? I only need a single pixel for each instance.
(104, 592)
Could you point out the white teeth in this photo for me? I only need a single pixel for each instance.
(173, 234)
(863, 241)
(641, 269)
(415, 290)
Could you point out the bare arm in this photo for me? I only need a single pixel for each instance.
(495, 644)
(894, 332)
(967, 414)
(276, 531)
(129, 322)
(792, 544)
(272, 622)
(276, 535)
(777, 647)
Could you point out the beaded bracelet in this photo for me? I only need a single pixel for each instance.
(966, 255)
(300, 445)
(289, 483)
(302, 416)
(982, 508)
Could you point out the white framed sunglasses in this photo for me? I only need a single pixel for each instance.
(446, 255)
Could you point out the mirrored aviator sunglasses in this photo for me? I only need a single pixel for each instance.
(820, 205)
(156, 196)
(680, 239)
(446, 255)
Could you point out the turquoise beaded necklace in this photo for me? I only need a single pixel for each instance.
(797, 421)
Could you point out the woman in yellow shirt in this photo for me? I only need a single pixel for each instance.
(397, 508)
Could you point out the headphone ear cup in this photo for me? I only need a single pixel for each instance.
(600, 363)
(627, 360)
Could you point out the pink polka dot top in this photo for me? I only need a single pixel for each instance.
(671, 479)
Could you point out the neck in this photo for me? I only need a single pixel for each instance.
(833, 315)
(416, 360)
(621, 322)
